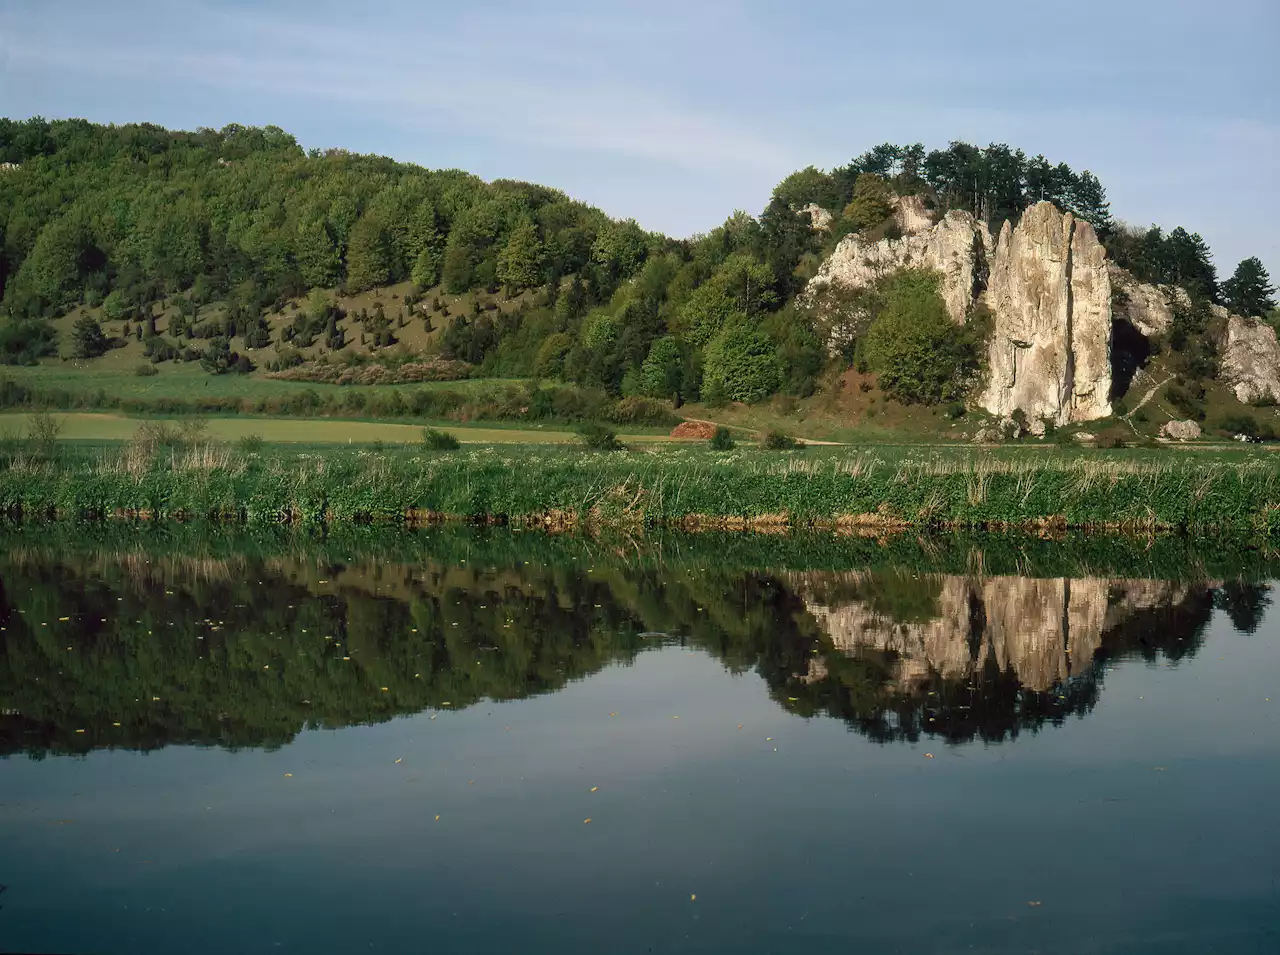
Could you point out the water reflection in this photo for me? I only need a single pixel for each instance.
(127, 649)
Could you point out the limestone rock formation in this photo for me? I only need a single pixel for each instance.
(1046, 630)
(955, 248)
(1180, 430)
(1148, 308)
(1050, 293)
(1250, 360)
(819, 217)
(910, 215)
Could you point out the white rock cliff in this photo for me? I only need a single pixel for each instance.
(1250, 360)
(956, 248)
(1050, 349)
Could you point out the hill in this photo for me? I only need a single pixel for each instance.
(128, 247)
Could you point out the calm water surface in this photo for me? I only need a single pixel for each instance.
(471, 753)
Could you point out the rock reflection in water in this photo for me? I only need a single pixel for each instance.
(122, 650)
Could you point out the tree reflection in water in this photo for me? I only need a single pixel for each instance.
(128, 649)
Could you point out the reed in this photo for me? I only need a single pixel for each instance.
(682, 487)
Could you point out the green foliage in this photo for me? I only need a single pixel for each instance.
(87, 339)
(773, 440)
(872, 203)
(597, 437)
(520, 261)
(919, 354)
(433, 439)
(145, 370)
(722, 440)
(26, 341)
(1249, 290)
(741, 365)
(250, 444)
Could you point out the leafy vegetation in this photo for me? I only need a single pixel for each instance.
(235, 250)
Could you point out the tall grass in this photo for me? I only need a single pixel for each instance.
(168, 474)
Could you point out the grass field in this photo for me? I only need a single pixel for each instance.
(91, 426)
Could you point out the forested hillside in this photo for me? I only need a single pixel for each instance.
(225, 234)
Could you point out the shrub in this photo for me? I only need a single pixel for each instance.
(436, 440)
(777, 441)
(919, 354)
(26, 341)
(1111, 438)
(145, 370)
(599, 438)
(250, 444)
(1239, 424)
(43, 430)
(722, 440)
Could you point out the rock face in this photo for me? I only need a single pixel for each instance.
(956, 248)
(1046, 630)
(1251, 359)
(1050, 350)
(819, 217)
(1180, 430)
(1148, 308)
(911, 215)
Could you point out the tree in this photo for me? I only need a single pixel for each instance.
(919, 354)
(1088, 200)
(741, 365)
(662, 374)
(872, 202)
(87, 339)
(368, 254)
(1189, 263)
(1249, 290)
(520, 261)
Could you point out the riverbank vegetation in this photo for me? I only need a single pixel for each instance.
(161, 474)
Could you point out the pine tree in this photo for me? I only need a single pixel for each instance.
(520, 260)
(1249, 290)
(368, 254)
(1088, 200)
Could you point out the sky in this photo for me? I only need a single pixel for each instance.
(678, 113)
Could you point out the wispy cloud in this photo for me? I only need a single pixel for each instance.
(482, 80)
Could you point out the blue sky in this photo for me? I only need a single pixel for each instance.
(679, 113)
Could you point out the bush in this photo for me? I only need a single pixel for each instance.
(43, 430)
(722, 440)
(599, 438)
(1112, 438)
(26, 341)
(1235, 424)
(777, 441)
(145, 370)
(436, 440)
(250, 444)
(919, 354)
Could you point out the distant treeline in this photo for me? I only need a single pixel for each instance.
(127, 217)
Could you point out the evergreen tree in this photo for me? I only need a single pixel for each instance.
(1249, 290)
(1088, 200)
(368, 254)
(87, 339)
(520, 260)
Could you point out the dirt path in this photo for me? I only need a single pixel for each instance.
(756, 432)
(1145, 398)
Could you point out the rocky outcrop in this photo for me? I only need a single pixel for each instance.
(956, 248)
(910, 215)
(1045, 630)
(1250, 362)
(1148, 308)
(1180, 430)
(819, 217)
(1050, 293)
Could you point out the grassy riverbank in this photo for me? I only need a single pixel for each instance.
(691, 488)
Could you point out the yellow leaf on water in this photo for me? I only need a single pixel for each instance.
(587, 820)
(287, 775)
(64, 619)
(385, 689)
(594, 788)
(437, 818)
(398, 760)
(928, 755)
(693, 897)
